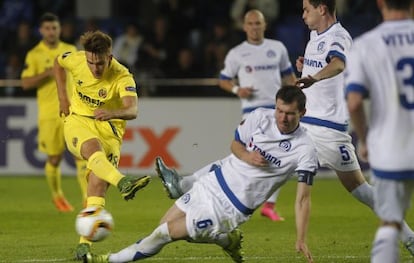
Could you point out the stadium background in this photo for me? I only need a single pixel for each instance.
(180, 47)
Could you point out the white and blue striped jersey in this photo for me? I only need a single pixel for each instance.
(325, 105)
(248, 186)
(260, 67)
(381, 67)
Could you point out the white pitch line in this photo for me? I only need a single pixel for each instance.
(191, 259)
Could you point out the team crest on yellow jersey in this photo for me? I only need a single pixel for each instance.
(102, 93)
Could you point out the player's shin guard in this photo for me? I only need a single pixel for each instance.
(144, 248)
(103, 169)
(385, 248)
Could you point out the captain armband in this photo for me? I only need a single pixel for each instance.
(305, 177)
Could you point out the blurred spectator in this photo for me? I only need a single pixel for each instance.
(12, 70)
(185, 67)
(90, 24)
(62, 8)
(217, 42)
(21, 41)
(68, 32)
(158, 49)
(12, 12)
(126, 46)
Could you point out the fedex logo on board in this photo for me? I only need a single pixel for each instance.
(157, 142)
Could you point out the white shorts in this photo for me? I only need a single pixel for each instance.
(208, 210)
(335, 148)
(392, 198)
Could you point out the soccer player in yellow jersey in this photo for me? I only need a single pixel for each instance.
(38, 74)
(104, 97)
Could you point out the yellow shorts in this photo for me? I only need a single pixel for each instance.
(50, 136)
(78, 129)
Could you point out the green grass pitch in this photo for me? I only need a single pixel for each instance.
(31, 230)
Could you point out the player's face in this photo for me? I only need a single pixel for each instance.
(254, 26)
(311, 15)
(287, 116)
(50, 31)
(98, 63)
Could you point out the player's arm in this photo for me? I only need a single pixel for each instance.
(289, 79)
(60, 78)
(35, 81)
(251, 157)
(231, 87)
(334, 67)
(302, 211)
(128, 111)
(359, 121)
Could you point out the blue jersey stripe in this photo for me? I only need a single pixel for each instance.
(394, 175)
(325, 123)
(234, 200)
(250, 109)
(354, 87)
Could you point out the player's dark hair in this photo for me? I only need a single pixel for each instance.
(330, 4)
(399, 4)
(48, 17)
(290, 94)
(96, 42)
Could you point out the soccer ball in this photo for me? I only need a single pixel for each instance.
(94, 223)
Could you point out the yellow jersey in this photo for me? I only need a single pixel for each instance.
(39, 59)
(90, 93)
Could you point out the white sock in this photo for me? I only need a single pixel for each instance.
(147, 247)
(385, 248)
(364, 194)
(187, 182)
(273, 197)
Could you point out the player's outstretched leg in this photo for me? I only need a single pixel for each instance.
(81, 250)
(129, 185)
(409, 245)
(169, 178)
(234, 249)
(92, 258)
(269, 210)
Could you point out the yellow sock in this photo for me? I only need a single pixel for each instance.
(81, 174)
(102, 168)
(95, 201)
(92, 201)
(84, 240)
(53, 178)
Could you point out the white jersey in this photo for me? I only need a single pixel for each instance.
(325, 103)
(381, 66)
(286, 153)
(260, 67)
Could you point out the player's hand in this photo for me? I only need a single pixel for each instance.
(299, 63)
(246, 92)
(49, 73)
(103, 115)
(301, 247)
(305, 82)
(362, 151)
(255, 158)
(64, 108)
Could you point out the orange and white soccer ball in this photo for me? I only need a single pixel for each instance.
(94, 223)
